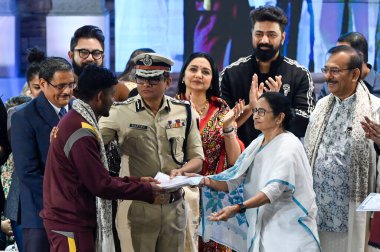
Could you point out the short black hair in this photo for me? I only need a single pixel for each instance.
(356, 60)
(280, 104)
(51, 65)
(35, 57)
(214, 89)
(357, 41)
(94, 79)
(87, 31)
(269, 13)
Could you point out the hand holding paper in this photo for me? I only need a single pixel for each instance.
(176, 182)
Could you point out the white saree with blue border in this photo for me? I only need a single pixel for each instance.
(288, 222)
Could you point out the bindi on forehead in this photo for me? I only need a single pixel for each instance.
(200, 66)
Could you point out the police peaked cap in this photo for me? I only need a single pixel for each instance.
(150, 65)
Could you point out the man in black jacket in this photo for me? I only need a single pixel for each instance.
(274, 72)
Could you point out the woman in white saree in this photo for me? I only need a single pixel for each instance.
(271, 203)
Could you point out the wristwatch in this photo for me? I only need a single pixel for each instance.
(242, 208)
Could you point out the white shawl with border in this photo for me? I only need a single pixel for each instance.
(362, 179)
(287, 223)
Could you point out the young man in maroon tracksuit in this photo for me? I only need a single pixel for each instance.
(76, 173)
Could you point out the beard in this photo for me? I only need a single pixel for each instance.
(267, 54)
(79, 69)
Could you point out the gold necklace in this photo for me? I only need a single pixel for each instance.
(200, 112)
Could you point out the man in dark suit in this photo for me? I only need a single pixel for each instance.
(31, 127)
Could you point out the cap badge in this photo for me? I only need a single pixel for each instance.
(147, 60)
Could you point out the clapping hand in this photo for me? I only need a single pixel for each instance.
(371, 129)
(233, 114)
(274, 85)
(255, 92)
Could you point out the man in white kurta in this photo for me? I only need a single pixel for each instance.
(342, 159)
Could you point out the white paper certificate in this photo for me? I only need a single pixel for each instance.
(176, 182)
(371, 203)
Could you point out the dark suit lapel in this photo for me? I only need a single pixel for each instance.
(46, 110)
(71, 103)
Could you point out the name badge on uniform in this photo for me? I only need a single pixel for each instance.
(138, 126)
(176, 123)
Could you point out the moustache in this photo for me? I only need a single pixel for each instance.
(89, 63)
(66, 96)
(265, 45)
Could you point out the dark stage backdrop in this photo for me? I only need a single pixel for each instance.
(177, 28)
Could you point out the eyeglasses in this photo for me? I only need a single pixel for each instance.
(84, 53)
(151, 81)
(61, 87)
(333, 70)
(260, 111)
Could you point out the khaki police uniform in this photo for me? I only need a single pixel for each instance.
(145, 148)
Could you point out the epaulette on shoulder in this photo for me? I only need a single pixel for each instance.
(126, 102)
(179, 102)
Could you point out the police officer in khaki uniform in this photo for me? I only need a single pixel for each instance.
(155, 133)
